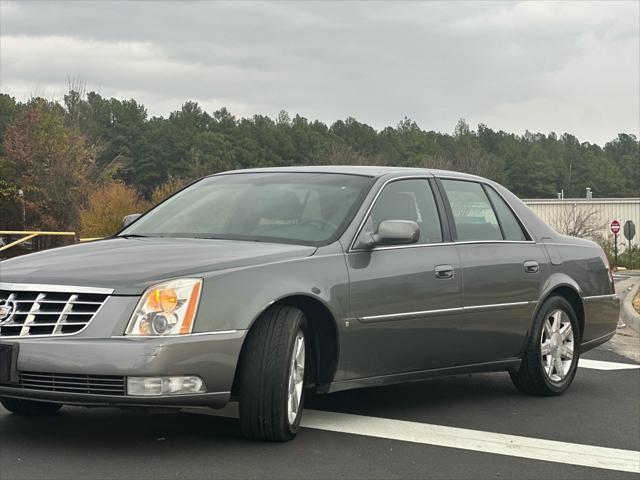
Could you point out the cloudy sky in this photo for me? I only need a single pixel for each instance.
(543, 66)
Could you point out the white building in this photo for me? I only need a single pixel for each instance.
(598, 213)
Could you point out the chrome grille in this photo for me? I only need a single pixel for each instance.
(48, 312)
(73, 383)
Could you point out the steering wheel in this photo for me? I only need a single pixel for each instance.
(320, 223)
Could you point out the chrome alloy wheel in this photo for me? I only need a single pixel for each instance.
(556, 345)
(296, 378)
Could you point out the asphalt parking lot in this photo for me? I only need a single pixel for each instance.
(600, 410)
(470, 426)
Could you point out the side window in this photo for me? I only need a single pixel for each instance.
(510, 226)
(408, 200)
(472, 212)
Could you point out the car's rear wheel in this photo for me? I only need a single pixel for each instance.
(29, 407)
(551, 356)
(272, 375)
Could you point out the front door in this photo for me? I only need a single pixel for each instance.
(405, 299)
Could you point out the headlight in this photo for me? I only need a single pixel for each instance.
(166, 309)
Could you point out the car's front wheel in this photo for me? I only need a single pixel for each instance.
(551, 355)
(272, 375)
(29, 407)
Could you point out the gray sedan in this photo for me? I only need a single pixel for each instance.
(261, 285)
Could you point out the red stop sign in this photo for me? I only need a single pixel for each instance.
(615, 227)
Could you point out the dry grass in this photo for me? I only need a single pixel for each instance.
(636, 301)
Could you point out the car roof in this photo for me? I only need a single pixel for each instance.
(368, 171)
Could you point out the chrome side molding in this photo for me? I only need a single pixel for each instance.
(444, 311)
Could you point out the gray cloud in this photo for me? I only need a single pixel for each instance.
(540, 66)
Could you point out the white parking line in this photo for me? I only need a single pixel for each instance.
(476, 440)
(462, 438)
(599, 365)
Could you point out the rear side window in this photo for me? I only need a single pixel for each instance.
(412, 200)
(510, 226)
(473, 215)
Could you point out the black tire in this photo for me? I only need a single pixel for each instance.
(532, 377)
(29, 408)
(264, 375)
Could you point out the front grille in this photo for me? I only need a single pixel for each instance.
(47, 313)
(73, 383)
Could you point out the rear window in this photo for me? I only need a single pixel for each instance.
(508, 222)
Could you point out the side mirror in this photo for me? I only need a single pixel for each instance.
(129, 219)
(394, 232)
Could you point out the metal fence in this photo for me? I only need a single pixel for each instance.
(555, 212)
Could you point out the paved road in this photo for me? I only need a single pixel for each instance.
(600, 410)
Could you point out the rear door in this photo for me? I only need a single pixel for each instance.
(405, 299)
(502, 271)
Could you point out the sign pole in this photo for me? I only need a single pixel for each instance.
(629, 231)
(615, 229)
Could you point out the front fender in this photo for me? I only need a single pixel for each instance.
(234, 299)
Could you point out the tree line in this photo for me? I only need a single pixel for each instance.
(79, 163)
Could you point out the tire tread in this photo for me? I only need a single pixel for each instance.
(530, 378)
(263, 374)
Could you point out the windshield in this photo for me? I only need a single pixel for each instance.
(303, 208)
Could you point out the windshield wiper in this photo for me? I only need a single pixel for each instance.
(208, 237)
(133, 235)
(232, 239)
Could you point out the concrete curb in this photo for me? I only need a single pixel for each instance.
(628, 314)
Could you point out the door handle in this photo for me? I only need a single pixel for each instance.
(531, 266)
(444, 271)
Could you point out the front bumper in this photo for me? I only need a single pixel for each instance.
(211, 356)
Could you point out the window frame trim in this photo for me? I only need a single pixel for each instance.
(447, 238)
(484, 188)
(483, 184)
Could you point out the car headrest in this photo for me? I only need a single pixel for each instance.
(396, 206)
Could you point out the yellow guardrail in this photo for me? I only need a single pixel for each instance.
(29, 234)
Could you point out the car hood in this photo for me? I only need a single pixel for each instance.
(130, 265)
